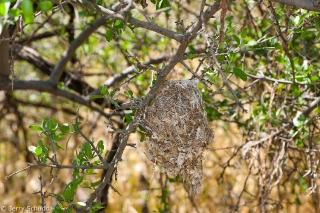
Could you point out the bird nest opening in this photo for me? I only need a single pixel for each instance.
(179, 132)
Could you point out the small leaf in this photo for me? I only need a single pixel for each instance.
(118, 24)
(128, 117)
(67, 193)
(314, 78)
(27, 11)
(96, 206)
(4, 8)
(113, 92)
(129, 93)
(143, 136)
(88, 150)
(76, 125)
(162, 4)
(109, 35)
(59, 146)
(299, 143)
(100, 146)
(45, 5)
(13, 12)
(239, 73)
(96, 96)
(52, 125)
(236, 38)
(64, 128)
(94, 184)
(35, 127)
(244, 32)
(104, 90)
(38, 151)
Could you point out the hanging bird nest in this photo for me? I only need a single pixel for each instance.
(179, 132)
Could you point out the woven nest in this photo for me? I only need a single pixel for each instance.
(179, 132)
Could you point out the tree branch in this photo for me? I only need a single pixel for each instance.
(314, 104)
(312, 5)
(179, 55)
(46, 86)
(4, 53)
(45, 66)
(67, 55)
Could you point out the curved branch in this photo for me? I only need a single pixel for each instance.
(45, 66)
(67, 55)
(314, 104)
(47, 86)
(313, 5)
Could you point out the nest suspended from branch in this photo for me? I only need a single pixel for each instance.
(179, 132)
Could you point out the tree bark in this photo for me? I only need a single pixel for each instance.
(4, 54)
(313, 5)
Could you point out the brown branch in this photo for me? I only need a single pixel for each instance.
(45, 66)
(4, 54)
(46, 86)
(312, 5)
(58, 167)
(179, 56)
(57, 72)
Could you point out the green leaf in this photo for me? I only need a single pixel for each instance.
(104, 90)
(94, 184)
(57, 209)
(64, 128)
(45, 5)
(76, 125)
(52, 125)
(4, 8)
(118, 24)
(96, 96)
(128, 117)
(59, 146)
(113, 92)
(38, 151)
(67, 193)
(13, 12)
(143, 136)
(35, 127)
(27, 11)
(129, 93)
(96, 206)
(162, 4)
(244, 32)
(109, 35)
(100, 146)
(236, 38)
(239, 73)
(88, 150)
(100, 2)
(314, 78)
(299, 143)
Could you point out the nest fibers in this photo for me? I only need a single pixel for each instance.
(179, 131)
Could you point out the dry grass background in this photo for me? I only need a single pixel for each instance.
(139, 181)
